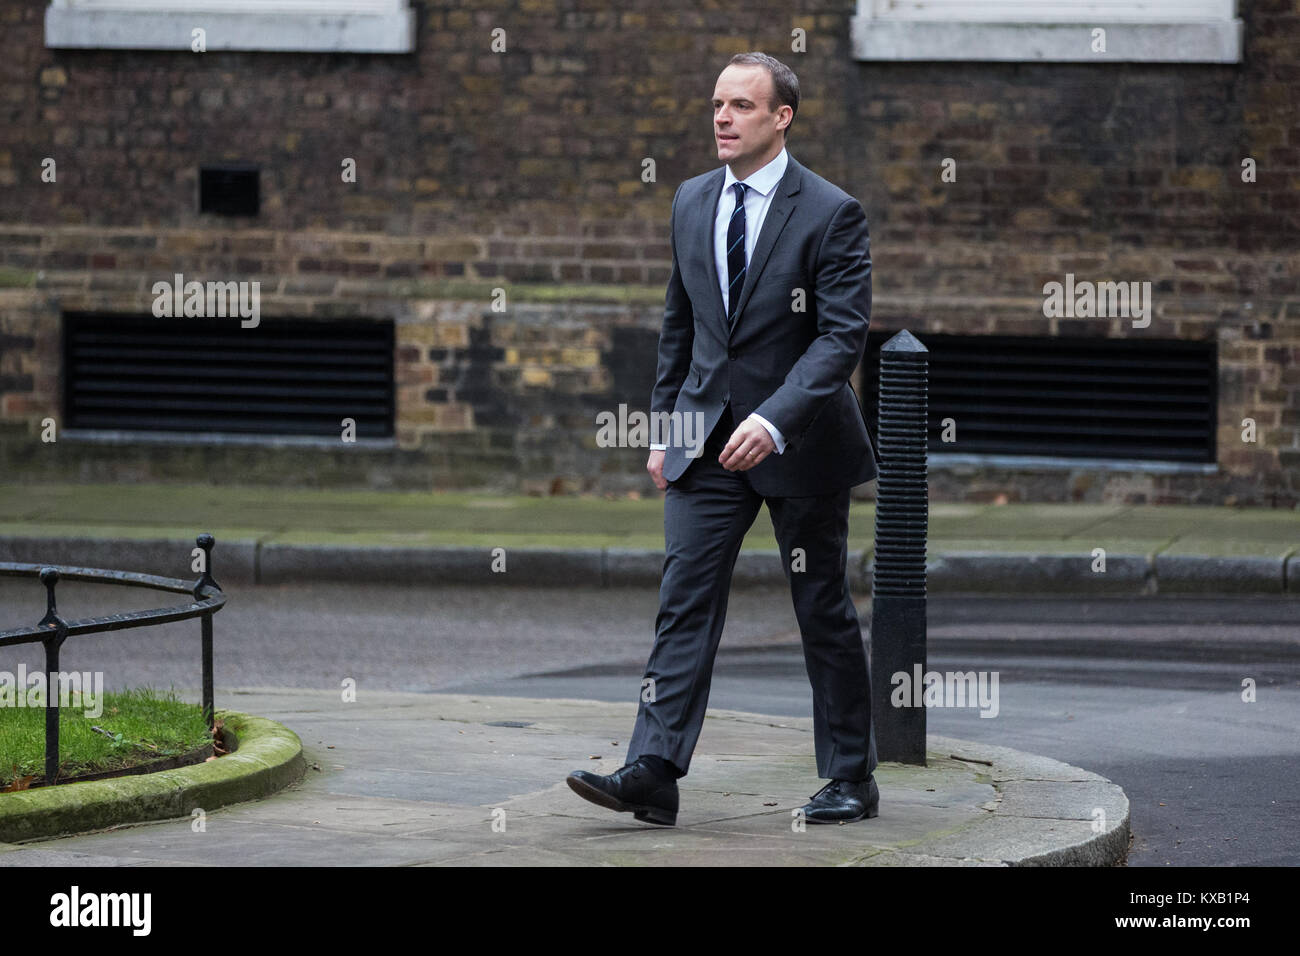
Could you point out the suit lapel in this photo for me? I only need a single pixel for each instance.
(706, 214)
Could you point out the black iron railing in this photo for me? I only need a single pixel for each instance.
(51, 631)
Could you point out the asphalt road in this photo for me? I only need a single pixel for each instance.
(1147, 692)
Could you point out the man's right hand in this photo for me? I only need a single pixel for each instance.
(655, 465)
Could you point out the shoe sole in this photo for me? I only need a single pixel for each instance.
(656, 815)
(872, 811)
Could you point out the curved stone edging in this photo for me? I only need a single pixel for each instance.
(1047, 813)
(269, 758)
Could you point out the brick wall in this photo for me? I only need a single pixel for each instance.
(522, 170)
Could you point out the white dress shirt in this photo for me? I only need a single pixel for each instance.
(758, 198)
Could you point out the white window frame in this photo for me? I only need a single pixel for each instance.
(343, 26)
(1053, 31)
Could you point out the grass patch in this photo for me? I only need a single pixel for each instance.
(17, 279)
(142, 725)
(386, 517)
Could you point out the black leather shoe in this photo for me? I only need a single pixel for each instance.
(634, 789)
(844, 801)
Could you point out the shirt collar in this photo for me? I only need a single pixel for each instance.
(762, 180)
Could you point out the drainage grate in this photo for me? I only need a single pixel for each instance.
(1151, 400)
(284, 377)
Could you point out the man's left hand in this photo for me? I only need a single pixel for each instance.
(749, 444)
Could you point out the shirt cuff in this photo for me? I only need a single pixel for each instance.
(771, 430)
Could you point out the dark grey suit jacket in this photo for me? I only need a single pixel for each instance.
(791, 367)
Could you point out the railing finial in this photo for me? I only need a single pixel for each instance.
(50, 577)
(206, 580)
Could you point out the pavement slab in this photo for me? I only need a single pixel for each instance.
(407, 779)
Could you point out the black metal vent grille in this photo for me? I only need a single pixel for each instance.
(1151, 400)
(230, 190)
(283, 377)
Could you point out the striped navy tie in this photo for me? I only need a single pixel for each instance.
(736, 252)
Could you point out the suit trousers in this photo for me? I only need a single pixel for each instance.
(707, 513)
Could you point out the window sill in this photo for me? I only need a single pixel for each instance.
(212, 439)
(962, 462)
(71, 28)
(1204, 41)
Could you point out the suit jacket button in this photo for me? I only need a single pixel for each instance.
(731, 354)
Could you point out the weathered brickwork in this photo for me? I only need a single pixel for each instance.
(523, 170)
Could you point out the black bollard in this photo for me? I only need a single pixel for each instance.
(898, 578)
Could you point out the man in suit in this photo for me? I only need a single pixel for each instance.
(765, 321)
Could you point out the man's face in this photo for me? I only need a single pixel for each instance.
(743, 127)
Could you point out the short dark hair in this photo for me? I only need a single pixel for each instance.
(784, 83)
